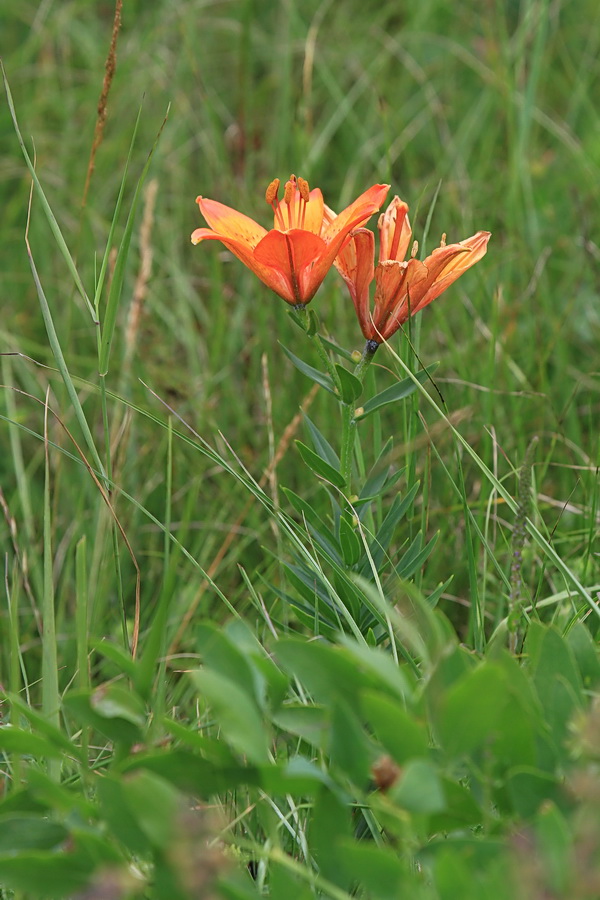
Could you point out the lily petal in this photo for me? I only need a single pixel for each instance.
(291, 253)
(230, 223)
(355, 264)
(394, 231)
(308, 216)
(449, 263)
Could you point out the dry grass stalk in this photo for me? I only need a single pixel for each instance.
(110, 68)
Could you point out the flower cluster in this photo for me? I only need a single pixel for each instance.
(308, 238)
(293, 257)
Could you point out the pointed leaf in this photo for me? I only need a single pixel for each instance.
(322, 445)
(350, 387)
(395, 393)
(310, 371)
(319, 466)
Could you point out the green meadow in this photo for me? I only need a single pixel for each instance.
(274, 623)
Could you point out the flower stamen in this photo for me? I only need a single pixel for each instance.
(271, 196)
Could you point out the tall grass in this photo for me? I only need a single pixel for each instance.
(149, 415)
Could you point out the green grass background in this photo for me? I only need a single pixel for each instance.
(480, 115)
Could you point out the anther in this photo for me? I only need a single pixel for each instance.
(288, 191)
(415, 249)
(304, 189)
(443, 240)
(272, 191)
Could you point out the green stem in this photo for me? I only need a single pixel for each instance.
(348, 417)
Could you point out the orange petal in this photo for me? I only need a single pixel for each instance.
(231, 223)
(291, 253)
(297, 214)
(355, 265)
(399, 287)
(336, 233)
(446, 264)
(273, 278)
(357, 214)
(394, 231)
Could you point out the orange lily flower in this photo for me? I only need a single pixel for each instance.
(402, 289)
(296, 254)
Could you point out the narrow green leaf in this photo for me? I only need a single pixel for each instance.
(395, 393)
(322, 445)
(54, 226)
(349, 542)
(310, 372)
(319, 466)
(351, 387)
(339, 351)
(116, 285)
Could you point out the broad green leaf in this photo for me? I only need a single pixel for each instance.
(472, 708)
(402, 736)
(106, 718)
(20, 832)
(585, 654)
(116, 702)
(395, 393)
(238, 717)
(529, 788)
(420, 788)
(154, 803)
(311, 723)
(45, 875)
(330, 824)
(16, 740)
(117, 655)
(319, 466)
(119, 816)
(221, 655)
(298, 776)
(310, 372)
(350, 387)
(191, 772)
(554, 847)
(377, 869)
(349, 749)
(389, 675)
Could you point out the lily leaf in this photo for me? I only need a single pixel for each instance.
(319, 466)
(350, 386)
(396, 392)
(310, 371)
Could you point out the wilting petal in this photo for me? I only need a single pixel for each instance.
(230, 223)
(448, 263)
(394, 231)
(291, 253)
